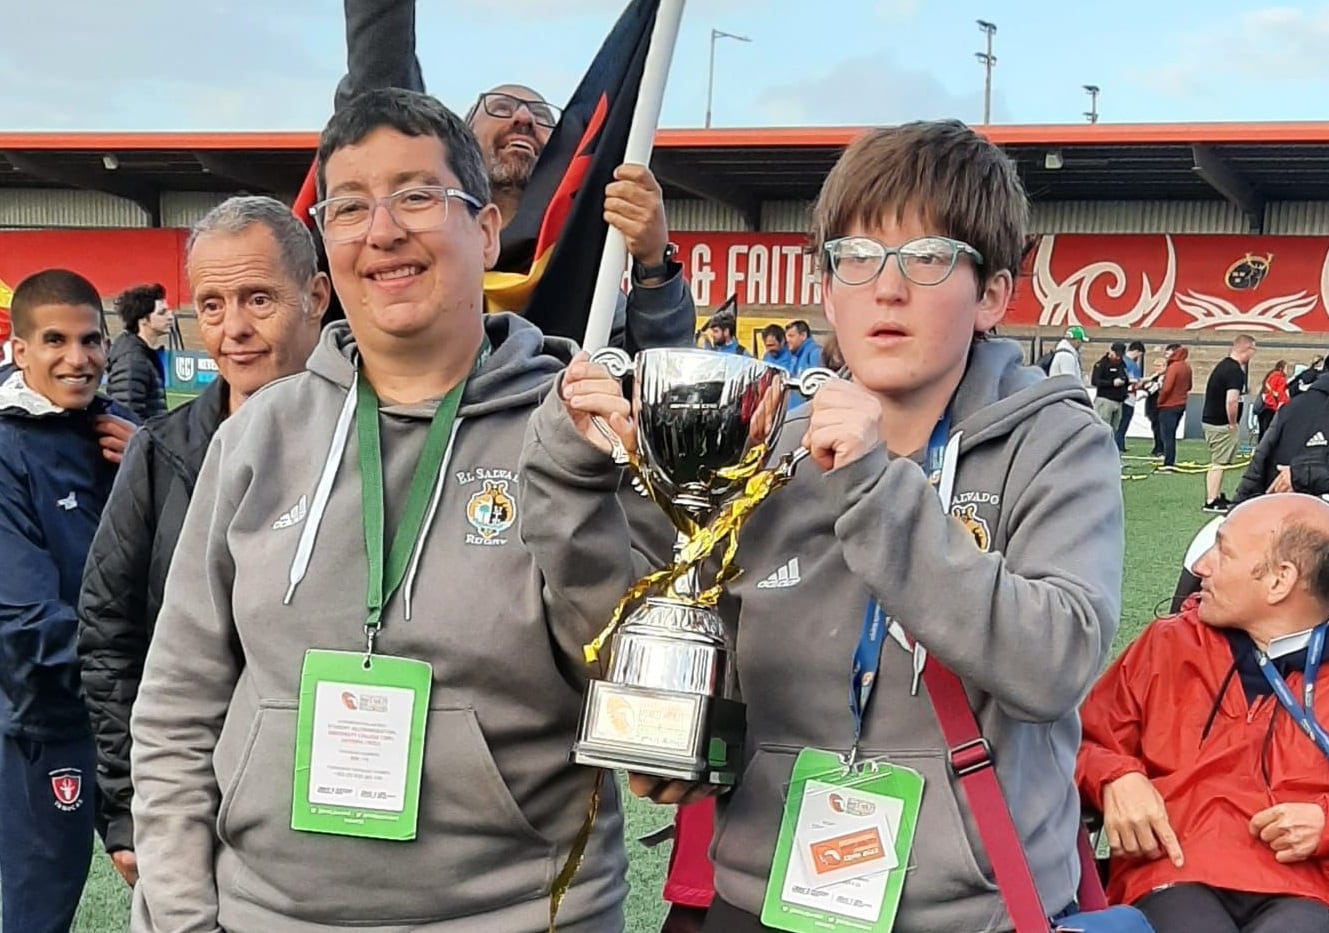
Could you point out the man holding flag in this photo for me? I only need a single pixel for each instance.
(513, 125)
(540, 159)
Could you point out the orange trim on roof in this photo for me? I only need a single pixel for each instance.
(70, 142)
(1075, 134)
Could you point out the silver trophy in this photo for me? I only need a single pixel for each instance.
(706, 423)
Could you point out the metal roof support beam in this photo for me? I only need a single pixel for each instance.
(1228, 182)
(105, 181)
(255, 178)
(667, 167)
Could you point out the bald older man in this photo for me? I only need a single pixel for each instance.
(1203, 745)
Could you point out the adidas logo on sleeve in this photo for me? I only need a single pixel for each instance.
(783, 578)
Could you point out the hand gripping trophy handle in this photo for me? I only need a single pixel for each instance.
(618, 364)
(806, 383)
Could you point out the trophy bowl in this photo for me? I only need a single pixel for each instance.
(706, 422)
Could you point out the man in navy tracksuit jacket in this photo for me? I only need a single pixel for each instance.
(59, 443)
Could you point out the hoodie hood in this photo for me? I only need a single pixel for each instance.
(516, 372)
(1321, 384)
(998, 392)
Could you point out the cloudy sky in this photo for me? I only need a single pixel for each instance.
(272, 64)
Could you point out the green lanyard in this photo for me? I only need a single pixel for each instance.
(385, 580)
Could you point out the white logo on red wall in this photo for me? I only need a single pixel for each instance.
(67, 785)
(1191, 282)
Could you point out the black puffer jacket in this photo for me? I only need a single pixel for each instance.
(123, 583)
(1297, 438)
(134, 377)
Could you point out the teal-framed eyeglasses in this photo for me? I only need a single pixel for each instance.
(928, 260)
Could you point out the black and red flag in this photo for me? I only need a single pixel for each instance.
(551, 250)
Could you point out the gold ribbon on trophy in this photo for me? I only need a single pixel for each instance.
(702, 541)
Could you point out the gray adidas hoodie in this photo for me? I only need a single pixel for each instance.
(1018, 593)
(272, 562)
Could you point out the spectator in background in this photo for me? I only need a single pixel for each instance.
(253, 272)
(806, 353)
(1066, 355)
(1222, 413)
(1134, 363)
(1273, 395)
(135, 374)
(1149, 388)
(1111, 385)
(59, 444)
(720, 332)
(1172, 394)
(772, 338)
(1293, 453)
(1304, 376)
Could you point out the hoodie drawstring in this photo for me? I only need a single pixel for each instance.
(304, 551)
(418, 551)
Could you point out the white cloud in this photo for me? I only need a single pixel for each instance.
(1271, 44)
(874, 90)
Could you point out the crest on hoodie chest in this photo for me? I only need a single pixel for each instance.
(491, 510)
(978, 512)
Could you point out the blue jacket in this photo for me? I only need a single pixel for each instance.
(784, 359)
(806, 357)
(53, 485)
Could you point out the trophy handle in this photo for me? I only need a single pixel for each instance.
(619, 364)
(810, 380)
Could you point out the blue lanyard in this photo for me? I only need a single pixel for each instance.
(867, 656)
(1302, 714)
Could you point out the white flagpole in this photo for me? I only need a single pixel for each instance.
(641, 140)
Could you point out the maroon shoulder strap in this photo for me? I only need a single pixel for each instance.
(971, 760)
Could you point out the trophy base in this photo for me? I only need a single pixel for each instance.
(665, 733)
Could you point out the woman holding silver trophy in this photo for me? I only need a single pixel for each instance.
(921, 611)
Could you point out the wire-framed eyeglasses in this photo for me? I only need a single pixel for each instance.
(425, 207)
(503, 106)
(929, 260)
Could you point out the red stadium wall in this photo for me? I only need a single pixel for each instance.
(112, 260)
(1193, 282)
(1183, 282)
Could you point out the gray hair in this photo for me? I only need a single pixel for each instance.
(236, 215)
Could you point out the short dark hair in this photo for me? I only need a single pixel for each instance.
(49, 287)
(1136, 345)
(773, 330)
(134, 304)
(801, 326)
(723, 319)
(411, 114)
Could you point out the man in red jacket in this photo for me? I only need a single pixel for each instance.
(1202, 743)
